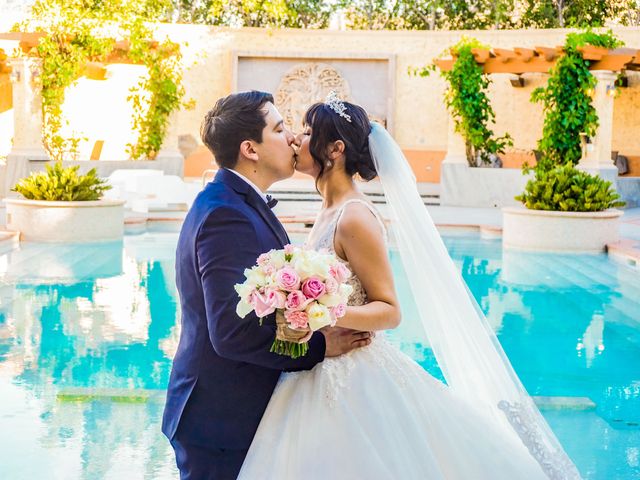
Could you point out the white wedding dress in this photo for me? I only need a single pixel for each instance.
(376, 414)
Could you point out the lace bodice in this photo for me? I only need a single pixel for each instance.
(325, 240)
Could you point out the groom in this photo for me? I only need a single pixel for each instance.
(223, 373)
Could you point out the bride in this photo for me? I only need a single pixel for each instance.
(374, 413)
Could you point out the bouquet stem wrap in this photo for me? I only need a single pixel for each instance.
(287, 340)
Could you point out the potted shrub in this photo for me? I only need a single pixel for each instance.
(61, 206)
(566, 210)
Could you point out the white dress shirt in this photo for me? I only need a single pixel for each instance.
(253, 185)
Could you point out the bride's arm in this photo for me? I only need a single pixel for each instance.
(359, 240)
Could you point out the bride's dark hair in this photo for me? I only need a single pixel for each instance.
(328, 126)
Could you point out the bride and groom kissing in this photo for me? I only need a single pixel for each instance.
(355, 406)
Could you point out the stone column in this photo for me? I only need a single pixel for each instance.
(454, 171)
(170, 155)
(456, 146)
(597, 156)
(27, 119)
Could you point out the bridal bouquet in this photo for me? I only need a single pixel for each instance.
(306, 288)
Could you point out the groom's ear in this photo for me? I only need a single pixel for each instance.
(248, 151)
(336, 149)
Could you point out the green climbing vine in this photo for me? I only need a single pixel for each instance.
(157, 94)
(566, 101)
(557, 184)
(468, 102)
(81, 31)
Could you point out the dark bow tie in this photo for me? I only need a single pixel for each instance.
(271, 202)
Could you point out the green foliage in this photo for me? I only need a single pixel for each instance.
(159, 92)
(570, 13)
(408, 14)
(79, 31)
(68, 45)
(428, 14)
(275, 14)
(62, 184)
(566, 101)
(567, 189)
(468, 103)
(479, 14)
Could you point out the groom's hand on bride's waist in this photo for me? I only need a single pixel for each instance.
(342, 340)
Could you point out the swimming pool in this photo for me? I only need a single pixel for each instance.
(87, 333)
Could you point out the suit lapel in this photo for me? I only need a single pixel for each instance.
(255, 201)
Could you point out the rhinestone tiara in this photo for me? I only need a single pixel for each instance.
(337, 105)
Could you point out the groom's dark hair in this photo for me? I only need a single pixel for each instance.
(234, 119)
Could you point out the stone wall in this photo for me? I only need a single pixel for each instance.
(414, 105)
(419, 117)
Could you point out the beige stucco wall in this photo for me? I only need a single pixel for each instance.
(420, 116)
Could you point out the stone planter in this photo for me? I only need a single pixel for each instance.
(563, 232)
(65, 222)
(463, 186)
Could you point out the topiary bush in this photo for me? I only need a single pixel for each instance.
(62, 184)
(567, 189)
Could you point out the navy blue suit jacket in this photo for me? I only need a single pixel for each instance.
(223, 374)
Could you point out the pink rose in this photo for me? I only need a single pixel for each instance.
(313, 288)
(263, 259)
(268, 270)
(261, 305)
(275, 298)
(289, 249)
(297, 319)
(297, 301)
(340, 272)
(332, 285)
(339, 310)
(287, 279)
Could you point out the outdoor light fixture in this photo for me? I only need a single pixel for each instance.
(517, 81)
(622, 81)
(611, 90)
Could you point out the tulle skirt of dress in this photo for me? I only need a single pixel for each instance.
(375, 414)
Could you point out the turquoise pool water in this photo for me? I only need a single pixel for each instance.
(87, 333)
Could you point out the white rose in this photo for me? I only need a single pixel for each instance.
(255, 276)
(311, 266)
(243, 309)
(319, 316)
(331, 300)
(277, 259)
(345, 291)
(244, 290)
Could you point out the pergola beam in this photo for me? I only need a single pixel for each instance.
(542, 59)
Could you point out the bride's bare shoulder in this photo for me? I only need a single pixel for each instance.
(358, 225)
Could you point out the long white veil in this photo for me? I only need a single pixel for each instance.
(466, 348)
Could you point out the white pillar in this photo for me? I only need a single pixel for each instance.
(456, 145)
(170, 151)
(27, 119)
(27, 107)
(454, 170)
(597, 157)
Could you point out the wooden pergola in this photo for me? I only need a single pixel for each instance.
(542, 59)
(604, 65)
(95, 69)
(19, 91)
